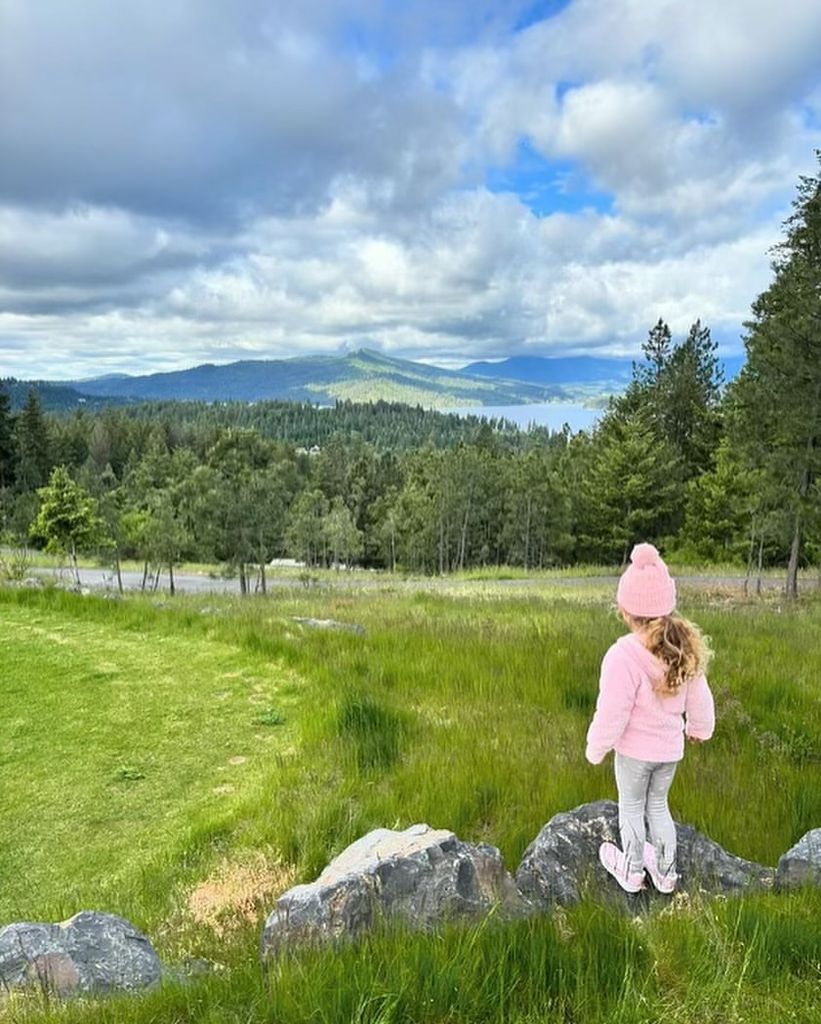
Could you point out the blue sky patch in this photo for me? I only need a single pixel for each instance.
(540, 11)
(547, 186)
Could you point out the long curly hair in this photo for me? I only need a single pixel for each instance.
(680, 644)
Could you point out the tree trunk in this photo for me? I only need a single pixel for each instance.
(792, 565)
(119, 570)
(803, 491)
(74, 564)
(243, 581)
(750, 558)
(760, 564)
(263, 583)
(463, 539)
(145, 576)
(171, 577)
(527, 532)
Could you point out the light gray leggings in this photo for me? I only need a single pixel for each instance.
(643, 787)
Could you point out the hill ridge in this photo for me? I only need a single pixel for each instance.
(363, 375)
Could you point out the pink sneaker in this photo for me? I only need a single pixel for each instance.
(615, 862)
(664, 883)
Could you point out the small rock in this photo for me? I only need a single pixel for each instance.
(421, 876)
(348, 627)
(91, 953)
(195, 967)
(565, 855)
(801, 864)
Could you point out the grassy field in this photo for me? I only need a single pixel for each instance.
(181, 762)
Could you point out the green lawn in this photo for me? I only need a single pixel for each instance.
(122, 735)
(155, 751)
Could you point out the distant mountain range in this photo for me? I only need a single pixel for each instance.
(558, 370)
(361, 376)
(574, 371)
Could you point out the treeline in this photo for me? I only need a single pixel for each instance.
(709, 472)
(388, 426)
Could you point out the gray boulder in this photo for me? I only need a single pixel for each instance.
(801, 864)
(564, 858)
(421, 876)
(91, 953)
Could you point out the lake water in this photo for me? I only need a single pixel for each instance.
(543, 414)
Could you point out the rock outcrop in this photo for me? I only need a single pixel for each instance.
(801, 864)
(563, 858)
(421, 876)
(91, 953)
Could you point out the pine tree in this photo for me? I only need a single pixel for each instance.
(691, 387)
(7, 450)
(680, 386)
(656, 350)
(722, 509)
(631, 491)
(33, 446)
(777, 396)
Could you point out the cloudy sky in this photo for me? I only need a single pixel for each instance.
(184, 181)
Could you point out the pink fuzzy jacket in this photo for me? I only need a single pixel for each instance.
(633, 719)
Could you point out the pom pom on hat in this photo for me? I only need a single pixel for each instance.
(646, 588)
(645, 554)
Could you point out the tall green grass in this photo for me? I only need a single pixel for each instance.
(122, 719)
(745, 961)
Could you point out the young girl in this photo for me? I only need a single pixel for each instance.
(652, 693)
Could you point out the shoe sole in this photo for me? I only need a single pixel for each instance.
(621, 882)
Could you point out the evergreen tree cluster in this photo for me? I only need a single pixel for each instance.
(711, 473)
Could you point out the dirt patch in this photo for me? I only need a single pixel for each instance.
(239, 892)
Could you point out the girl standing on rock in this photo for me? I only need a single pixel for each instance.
(652, 693)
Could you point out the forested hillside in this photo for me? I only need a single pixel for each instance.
(52, 396)
(388, 426)
(362, 376)
(708, 471)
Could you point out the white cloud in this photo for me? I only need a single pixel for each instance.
(187, 186)
(690, 114)
(482, 275)
(92, 248)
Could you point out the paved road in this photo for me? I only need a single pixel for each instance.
(194, 583)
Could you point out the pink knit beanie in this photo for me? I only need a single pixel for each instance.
(646, 588)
